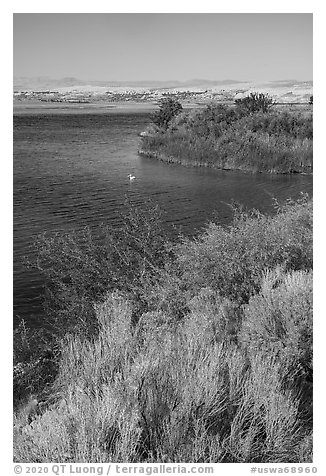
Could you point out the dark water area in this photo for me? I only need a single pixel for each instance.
(71, 170)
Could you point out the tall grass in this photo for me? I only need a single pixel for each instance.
(230, 260)
(80, 267)
(170, 395)
(218, 368)
(229, 138)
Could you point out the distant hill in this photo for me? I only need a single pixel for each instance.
(281, 90)
(46, 83)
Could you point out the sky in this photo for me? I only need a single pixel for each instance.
(163, 46)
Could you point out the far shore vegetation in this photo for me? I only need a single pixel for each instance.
(252, 135)
(191, 350)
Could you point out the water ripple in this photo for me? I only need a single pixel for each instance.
(72, 170)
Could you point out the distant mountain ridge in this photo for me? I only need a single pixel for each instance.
(42, 83)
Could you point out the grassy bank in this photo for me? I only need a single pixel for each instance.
(229, 137)
(195, 351)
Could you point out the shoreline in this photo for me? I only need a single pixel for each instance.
(173, 161)
(81, 108)
(122, 107)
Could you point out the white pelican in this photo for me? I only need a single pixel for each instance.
(131, 177)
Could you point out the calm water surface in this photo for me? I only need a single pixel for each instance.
(72, 169)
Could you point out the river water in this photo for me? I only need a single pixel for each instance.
(71, 170)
